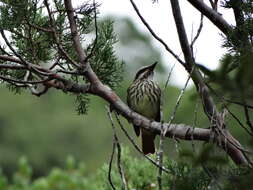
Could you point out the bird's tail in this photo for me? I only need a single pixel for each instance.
(148, 145)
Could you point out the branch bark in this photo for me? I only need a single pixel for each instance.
(232, 147)
(212, 15)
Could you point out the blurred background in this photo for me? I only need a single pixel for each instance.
(48, 129)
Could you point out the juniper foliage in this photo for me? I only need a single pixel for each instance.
(28, 27)
(233, 78)
(139, 175)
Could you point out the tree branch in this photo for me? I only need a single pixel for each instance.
(12, 80)
(116, 142)
(136, 146)
(154, 34)
(208, 104)
(212, 15)
(59, 82)
(198, 32)
(12, 67)
(86, 69)
(58, 43)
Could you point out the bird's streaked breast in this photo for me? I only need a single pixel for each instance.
(144, 97)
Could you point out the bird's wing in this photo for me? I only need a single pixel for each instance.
(136, 128)
(159, 112)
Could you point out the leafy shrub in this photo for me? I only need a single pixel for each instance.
(139, 174)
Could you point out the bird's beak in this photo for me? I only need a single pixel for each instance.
(152, 67)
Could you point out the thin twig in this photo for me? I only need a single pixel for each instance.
(210, 174)
(96, 33)
(238, 120)
(113, 151)
(235, 144)
(168, 78)
(116, 142)
(11, 48)
(246, 111)
(39, 27)
(212, 15)
(110, 166)
(194, 124)
(56, 37)
(238, 103)
(32, 88)
(154, 34)
(176, 107)
(177, 103)
(229, 111)
(161, 142)
(39, 93)
(160, 158)
(21, 59)
(198, 32)
(3, 51)
(12, 67)
(220, 131)
(68, 72)
(136, 146)
(55, 63)
(22, 81)
(121, 171)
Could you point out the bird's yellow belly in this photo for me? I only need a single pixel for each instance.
(145, 107)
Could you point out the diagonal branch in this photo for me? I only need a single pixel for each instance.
(212, 15)
(86, 69)
(208, 104)
(137, 148)
(198, 32)
(116, 142)
(20, 59)
(12, 80)
(12, 67)
(59, 82)
(74, 31)
(154, 34)
(58, 43)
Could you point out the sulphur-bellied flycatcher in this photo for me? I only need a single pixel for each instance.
(144, 97)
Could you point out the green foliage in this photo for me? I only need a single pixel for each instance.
(106, 65)
(234, 79)
(139, 173)
(82, 102)
(24, 20)
(240, 38)
(17, 17)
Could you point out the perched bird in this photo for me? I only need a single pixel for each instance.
(144, 97)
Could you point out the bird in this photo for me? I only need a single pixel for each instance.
(144, 97)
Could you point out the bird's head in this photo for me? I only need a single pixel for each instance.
(146, 72)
